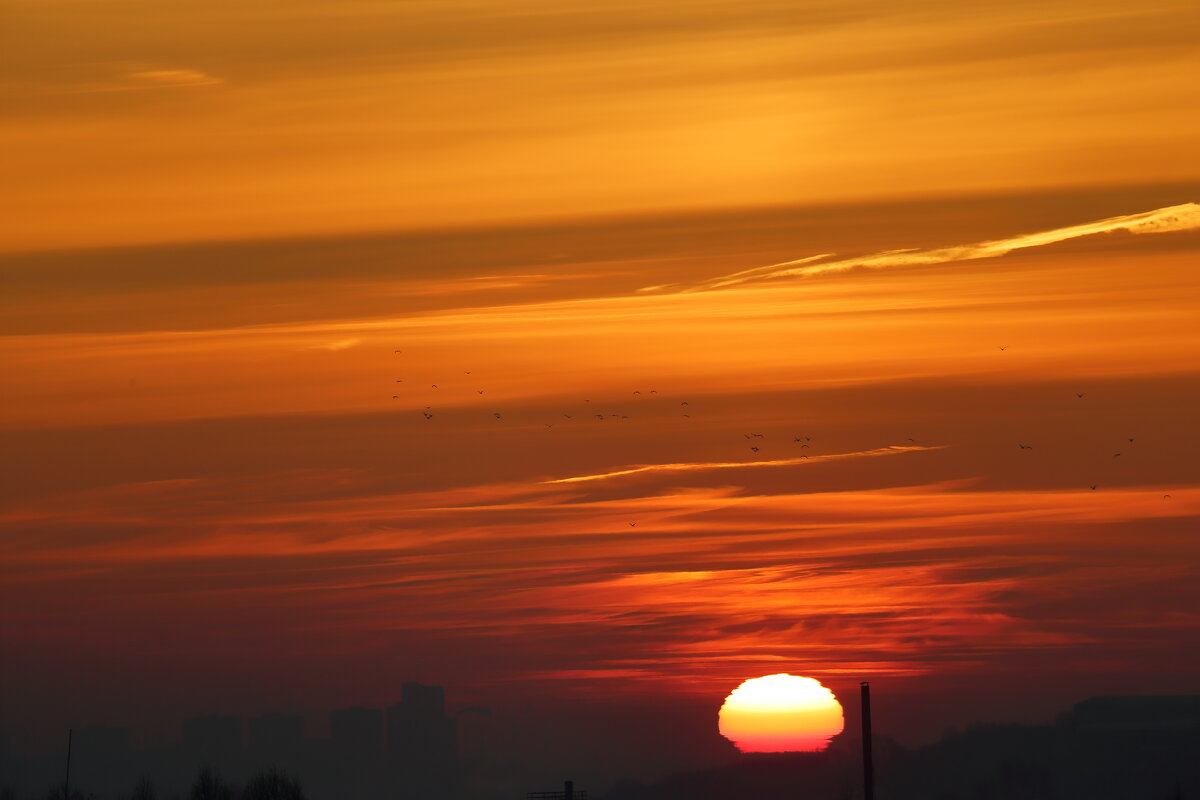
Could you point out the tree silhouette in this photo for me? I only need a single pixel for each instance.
(273, 785)
(144, 790)
(209, 786)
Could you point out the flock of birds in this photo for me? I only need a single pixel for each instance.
(802, 439)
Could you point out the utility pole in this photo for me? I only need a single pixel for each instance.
(868, 762)
(67, 782)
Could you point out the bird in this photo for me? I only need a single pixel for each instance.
(399, 380)
(636, 392)
(684, 403)
(480, 391)
(1131, 438)
(755, 449)
(687, 416)
(1166, 497)
(433, 385)
(496, 414)
(427, 415)
(567, 416)
(1093, 487)
(633, 524)
(550, 425)
(395, 397)
(804, 446)
(1025, 446)
(598, 416)
(1080, 394)
(653, 391)
(397, 351)
(911, 439)
(1004, 348)
(1116, 454)
(466, 372)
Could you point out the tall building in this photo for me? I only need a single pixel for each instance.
(421, 743)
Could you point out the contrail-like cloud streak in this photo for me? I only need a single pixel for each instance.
(1184, 217)
(714, 465)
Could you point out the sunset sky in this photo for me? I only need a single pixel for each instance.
(767, 337)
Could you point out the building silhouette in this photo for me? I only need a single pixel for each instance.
(421, 743)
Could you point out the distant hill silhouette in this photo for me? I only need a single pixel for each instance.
(1106, 748)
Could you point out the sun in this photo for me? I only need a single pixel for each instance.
(780, 713)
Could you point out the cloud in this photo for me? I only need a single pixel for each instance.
(714, 465)
(170, 78)
(338, 344)
(1183, 217)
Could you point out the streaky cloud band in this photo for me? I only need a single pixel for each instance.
(715, 465)
(1183, 217)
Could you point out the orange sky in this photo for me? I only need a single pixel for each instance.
(225, 218)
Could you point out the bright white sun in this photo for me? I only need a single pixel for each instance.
(778, 713)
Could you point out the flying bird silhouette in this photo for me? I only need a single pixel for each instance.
(1004, 348)
(1080, 394)
(1025, 446)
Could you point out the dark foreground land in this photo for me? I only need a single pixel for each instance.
(1107, 748)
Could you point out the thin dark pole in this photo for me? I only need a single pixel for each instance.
(868, 762)
(67, 782)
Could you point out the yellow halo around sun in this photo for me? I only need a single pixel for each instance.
(779, 713)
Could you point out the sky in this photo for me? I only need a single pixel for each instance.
(616, 352)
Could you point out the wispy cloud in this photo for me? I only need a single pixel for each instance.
(1183, 217)
(714, 465)
(169, 78)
